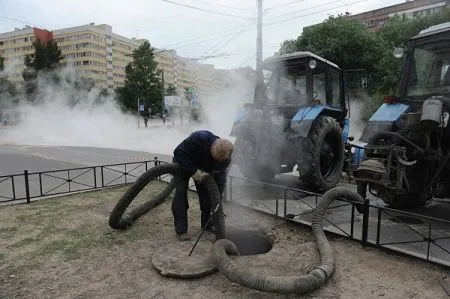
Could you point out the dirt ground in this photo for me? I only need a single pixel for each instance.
(64, 248)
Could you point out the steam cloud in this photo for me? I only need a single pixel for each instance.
(64, 116)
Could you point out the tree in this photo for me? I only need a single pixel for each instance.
(7, 89)
(288, 46)
(142, 81)
(46, 56)
(45, 59)
(340, 40)
(396, 33)
(171, 90)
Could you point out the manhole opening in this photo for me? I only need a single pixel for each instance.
(406, 219)
(250, 242)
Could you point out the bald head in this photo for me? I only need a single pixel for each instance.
(221, 149)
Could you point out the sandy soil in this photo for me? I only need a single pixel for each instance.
(64, 248)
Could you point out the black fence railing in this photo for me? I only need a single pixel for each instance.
(31, 185)
(418, 235)
(413, 234)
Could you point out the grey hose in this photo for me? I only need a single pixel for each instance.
(216, 199)
(286, 284)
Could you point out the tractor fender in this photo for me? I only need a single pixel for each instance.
(302, 121)
(383, 119)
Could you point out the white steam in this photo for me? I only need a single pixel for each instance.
(67, 117)
(356, 124)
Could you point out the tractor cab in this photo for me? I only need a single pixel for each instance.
(293, 81)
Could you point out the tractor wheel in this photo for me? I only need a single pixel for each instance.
(244, 149)
(321, 155)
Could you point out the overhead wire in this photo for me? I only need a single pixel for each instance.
(228, 39)
(242, 63)
(221, 5)
(302, 10)
(207, 10)
(203, 37)
(283, 4)
(17, 20)
(312, 13)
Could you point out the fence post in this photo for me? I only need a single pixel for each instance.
(40, 183)
(156, 164)
(95, 177)
(13, 187)
(365, 224)
(27, 186)
(101, 172)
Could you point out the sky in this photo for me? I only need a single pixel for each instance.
(217, 32)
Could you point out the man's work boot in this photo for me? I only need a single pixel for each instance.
(183, 237)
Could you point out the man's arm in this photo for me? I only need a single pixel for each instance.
(185, 149)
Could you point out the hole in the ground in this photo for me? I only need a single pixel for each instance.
(250, 242)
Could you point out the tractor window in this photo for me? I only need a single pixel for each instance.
(319, 85)
(287, 86)
(429, 73)
(335, 90)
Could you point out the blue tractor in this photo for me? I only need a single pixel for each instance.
(404, 158)
(299, 117)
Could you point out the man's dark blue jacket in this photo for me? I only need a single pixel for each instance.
(194, 153)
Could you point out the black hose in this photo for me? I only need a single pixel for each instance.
(118, 220)
(286, 284)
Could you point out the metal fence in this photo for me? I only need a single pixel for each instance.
(32, 185)
(417, 235)
(422, 236)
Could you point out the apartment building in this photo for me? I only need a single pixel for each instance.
(375, 19)
(101, 56)
(96, 52)
(167, 61)
(15, 45)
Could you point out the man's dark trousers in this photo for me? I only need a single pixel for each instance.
(180, 204)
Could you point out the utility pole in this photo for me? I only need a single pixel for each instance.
(259, 74)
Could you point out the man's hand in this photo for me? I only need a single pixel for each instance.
(199, 176)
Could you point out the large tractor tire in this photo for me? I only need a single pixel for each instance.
(245, 149)
(321, 155)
